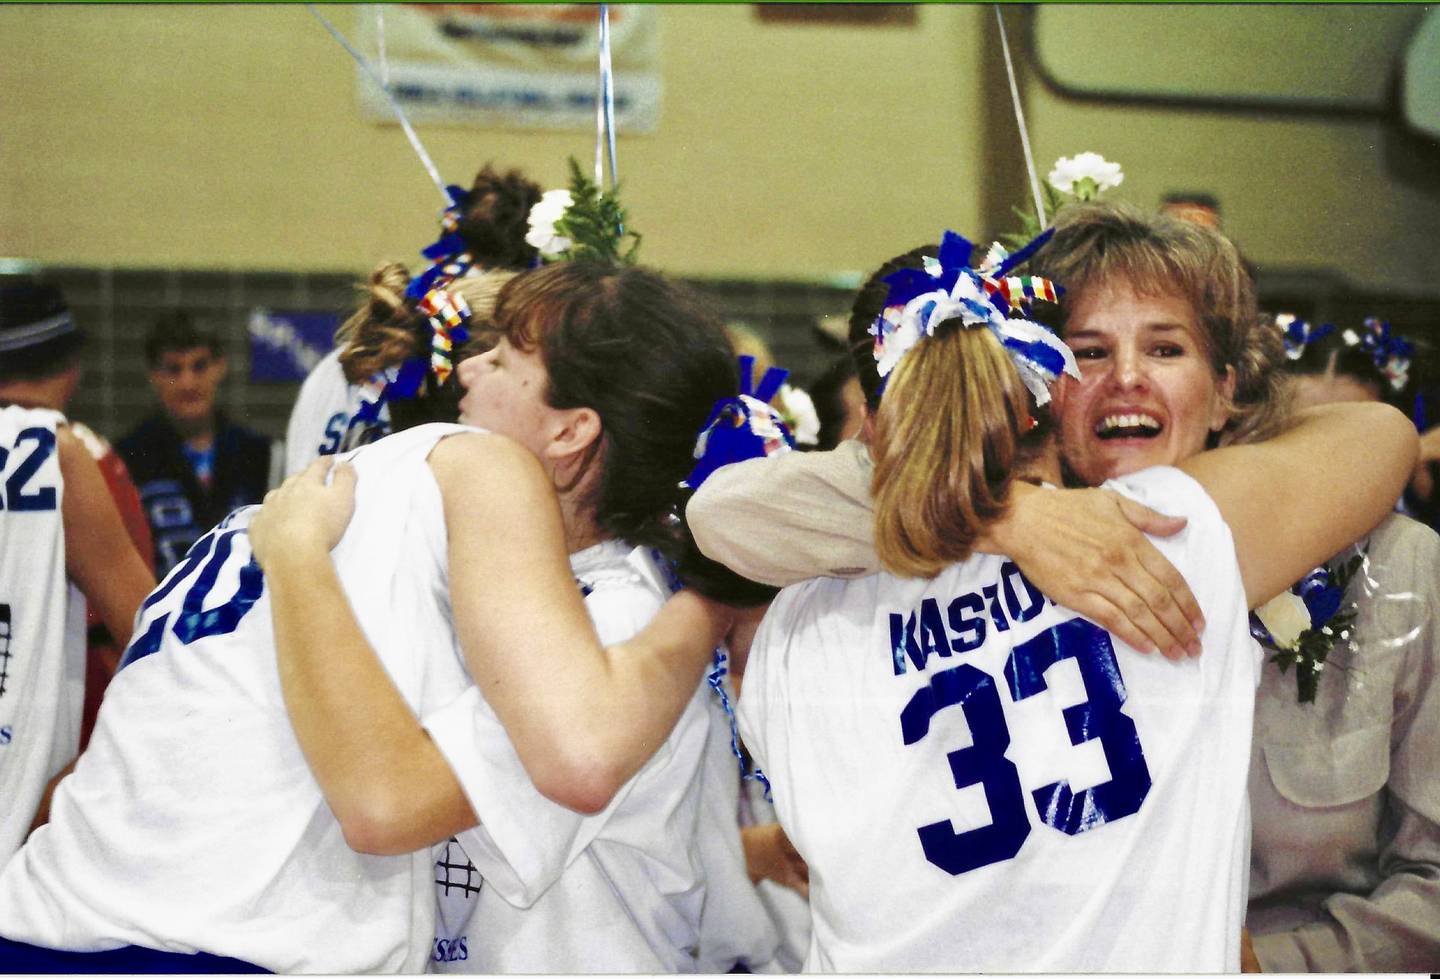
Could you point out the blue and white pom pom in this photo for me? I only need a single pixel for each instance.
(948, 288)
(1297, 334)
(743, 426)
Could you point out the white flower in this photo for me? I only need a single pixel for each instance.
(1071, 174)
(797, 408)
(1286, 617)
(548, 210)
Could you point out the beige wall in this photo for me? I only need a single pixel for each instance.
(1297, 189)
(228, 136)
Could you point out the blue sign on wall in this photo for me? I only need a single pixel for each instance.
(286, 345)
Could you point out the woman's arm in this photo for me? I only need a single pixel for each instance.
(99, 555)
(785, 518)
(583, 719)
(1294, 501)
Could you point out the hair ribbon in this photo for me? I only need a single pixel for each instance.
(949, 288)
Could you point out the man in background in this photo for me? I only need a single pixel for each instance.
(190, 463)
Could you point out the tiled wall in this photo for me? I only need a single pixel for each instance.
(117, 306)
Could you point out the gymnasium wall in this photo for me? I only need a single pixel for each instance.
(218, 148)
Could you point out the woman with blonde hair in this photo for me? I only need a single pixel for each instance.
(946, 744)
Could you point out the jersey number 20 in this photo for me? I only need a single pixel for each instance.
(192, 621)
(983, 763)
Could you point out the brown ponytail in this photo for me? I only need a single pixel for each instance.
(947, 440)
(387, 329)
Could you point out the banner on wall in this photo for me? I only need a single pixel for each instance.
(286, 345)
(509, 65)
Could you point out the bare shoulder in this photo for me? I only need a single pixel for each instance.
(492, 470)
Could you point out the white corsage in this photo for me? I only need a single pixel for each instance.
(1302, 625)
(1286, 618)
(546, 213)
(1085, 175)
(797, 410)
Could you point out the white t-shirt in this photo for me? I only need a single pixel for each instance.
(192, 823)
(42, 675)
(550, 890)
(915, 735)
(323, 422)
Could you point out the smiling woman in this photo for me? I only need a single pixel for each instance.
(1149, 393)
(1161, 315)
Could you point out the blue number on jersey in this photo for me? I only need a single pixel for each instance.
(1098, 718)
(209, 555)
(984, 762)
(43, 498)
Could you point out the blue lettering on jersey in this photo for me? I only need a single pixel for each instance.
(17, 496)
(1099, 718)
(200, 569)
(334, 432)
(969, 629)
(968, 615)
(7, 734)
(450, 950)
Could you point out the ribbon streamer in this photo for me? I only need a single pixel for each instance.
(948, 288)
(1020, 120)
(605, 108)
(384, 90)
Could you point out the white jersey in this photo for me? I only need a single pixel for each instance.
(736, 926)
(41, 675)
(192, 823)
(547, 889)
(323, 420)
(980, 780)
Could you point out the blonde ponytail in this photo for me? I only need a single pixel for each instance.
(947, 440)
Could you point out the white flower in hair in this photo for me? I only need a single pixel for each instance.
(797, 409)
(1085, 175)
(1286, 616)
(543, 217)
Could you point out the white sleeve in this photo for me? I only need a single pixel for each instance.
(323, 394)
(524, 840)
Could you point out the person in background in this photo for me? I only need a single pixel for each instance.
(839, 401)
(191, 464)
(102, 652)
(486, 229)
(1344, 787)
(58, 522)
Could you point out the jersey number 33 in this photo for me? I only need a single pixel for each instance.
(983, 763)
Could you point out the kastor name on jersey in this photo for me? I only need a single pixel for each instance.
(924, 632)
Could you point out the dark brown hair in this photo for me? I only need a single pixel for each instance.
(497, 217)
(651, 360)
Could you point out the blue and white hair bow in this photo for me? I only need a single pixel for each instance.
(743, 426)
(1298, 334)
(1390, 353)
(949, 288)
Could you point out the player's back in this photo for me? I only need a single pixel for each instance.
(39, 720)
(980, 780)
(192, 822)
(550, 890)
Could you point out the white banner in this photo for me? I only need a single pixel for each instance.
(516, 65)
